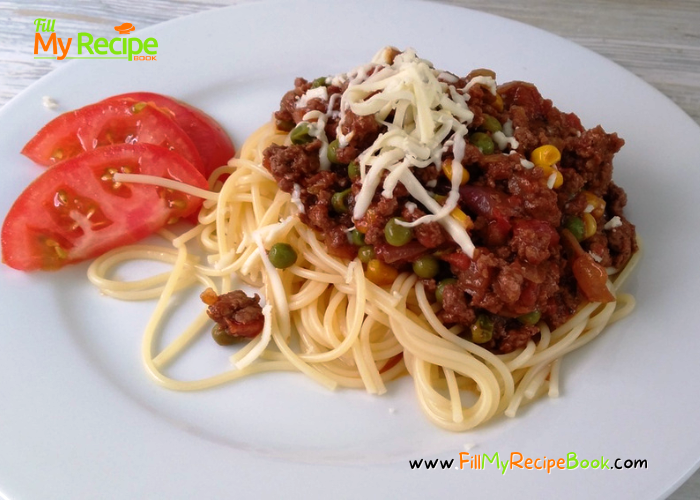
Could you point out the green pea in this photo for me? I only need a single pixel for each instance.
(482, 329)
(221, 337)
(426, 267)
(366, 253)
(339, 201)
(483, 142)
(319, 82)
(576, 226)
(332, 151)
(491, 124)
(397, 235)
(530, 318)
(282, 255)
(300, 134)
(356, 238)
(353, 170)
(441, 287)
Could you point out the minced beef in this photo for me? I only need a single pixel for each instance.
(292, 164)
(523, 261)
(237, 314)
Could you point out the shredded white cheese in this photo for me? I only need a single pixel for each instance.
(296, 198)
(526, 163)
(49, 102)
(448, 77)
(316, 122)
(502, 141)
(507, 127)
(613, 223)
(317, 93)
(426, 111)
(486, 81)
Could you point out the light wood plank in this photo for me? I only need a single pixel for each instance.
(658, 41)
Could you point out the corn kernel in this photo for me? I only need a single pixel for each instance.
(498, 103)
(466, 221)
(447, 170)
(380, 273)
(558, 178)
(597, 204)
(589, 226)
(545, 155)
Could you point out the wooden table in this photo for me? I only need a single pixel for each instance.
(658, 41)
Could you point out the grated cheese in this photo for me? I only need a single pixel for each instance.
(317, 93)
(49, 102)
(296, 198)
(613, 223)
(526, 163)
(427, 109)
(503, 141)
(316, 122)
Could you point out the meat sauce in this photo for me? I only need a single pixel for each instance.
(540, 249)
(236, 315)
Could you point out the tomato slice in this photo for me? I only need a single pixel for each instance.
(214, 145)
(117, 121)
(75, 211)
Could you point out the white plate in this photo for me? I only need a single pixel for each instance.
(80, 419)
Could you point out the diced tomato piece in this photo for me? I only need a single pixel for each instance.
(458, 259)
(118, 121)
(591, 279)
(75, 211)
(213, 143)
(245, 330)
(590, 276)
(400, 255)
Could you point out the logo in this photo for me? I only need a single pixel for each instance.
(124, 29)
(89, 47)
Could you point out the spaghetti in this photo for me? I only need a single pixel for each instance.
(324, 318)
